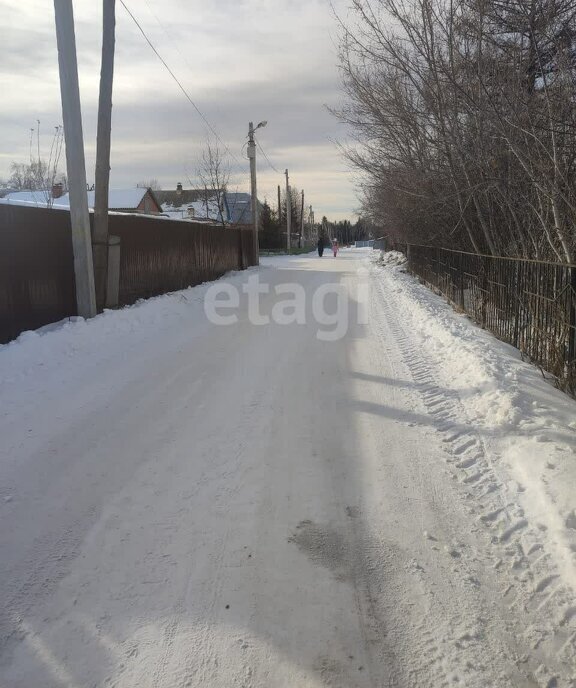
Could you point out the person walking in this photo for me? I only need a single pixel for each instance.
(320, 246)
(335, 247)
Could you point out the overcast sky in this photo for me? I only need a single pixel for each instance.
(239, 60)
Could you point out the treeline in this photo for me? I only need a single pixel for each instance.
(347, 232)
(465, 117)
(273, 222)
(272, 233)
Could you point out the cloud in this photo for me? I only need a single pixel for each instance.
(239, 60)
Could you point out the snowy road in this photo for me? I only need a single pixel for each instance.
(185, 504)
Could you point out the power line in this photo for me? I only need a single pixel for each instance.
(267, 158)
(178, 82)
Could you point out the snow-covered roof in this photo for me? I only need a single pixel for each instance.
(198, 209)
(36, 198)
(118, 199)
(239, 207)
(121, 198)
(180, 197)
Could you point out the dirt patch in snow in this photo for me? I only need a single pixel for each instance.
(324, 546)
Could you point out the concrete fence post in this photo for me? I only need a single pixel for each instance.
(113, 277)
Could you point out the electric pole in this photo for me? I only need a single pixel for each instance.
(75, 162)
(288, 212)
(279, 206)
(252, 158)
(311, 222)
(102, 178)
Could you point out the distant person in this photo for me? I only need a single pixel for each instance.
(320, 246)
(335, 247)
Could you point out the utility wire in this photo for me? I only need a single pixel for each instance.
(267, 158)
(174, 42)
(178, 81)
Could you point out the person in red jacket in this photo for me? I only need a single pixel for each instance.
(335, 247)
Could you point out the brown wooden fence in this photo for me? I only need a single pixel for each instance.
(36, 269)
(157, 255)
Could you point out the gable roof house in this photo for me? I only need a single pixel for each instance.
(190, 204)
(238, 208)
(202, 204)
(137, 200)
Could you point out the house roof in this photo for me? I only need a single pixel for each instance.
(239, 206)
(28, 198)
(179, 198)
(200, 210)
(118, 199)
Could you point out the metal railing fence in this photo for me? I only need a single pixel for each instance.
(528, 303)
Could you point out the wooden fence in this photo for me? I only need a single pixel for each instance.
(157, 255)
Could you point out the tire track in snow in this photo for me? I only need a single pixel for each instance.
(437, 607)
(532, 589)
(229, 478)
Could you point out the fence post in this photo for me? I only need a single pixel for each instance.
(113, 274)
(484, 290)
(515, 298)
(240, 249)
(461, 279)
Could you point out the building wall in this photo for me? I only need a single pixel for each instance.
(148, 204)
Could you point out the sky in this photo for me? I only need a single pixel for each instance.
(239, 61)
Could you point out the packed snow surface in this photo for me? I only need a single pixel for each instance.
(192, 504)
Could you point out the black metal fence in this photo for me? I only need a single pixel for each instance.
(157, 255)
(529, 304)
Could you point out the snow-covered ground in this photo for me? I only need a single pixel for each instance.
(187, 504)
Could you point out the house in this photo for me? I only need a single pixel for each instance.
(238, 208)
(235, 208)
(120, 200)
(188, 204)
(137, 200)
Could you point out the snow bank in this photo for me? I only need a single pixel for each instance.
(62, 351)
(527, 425)
(392, 258)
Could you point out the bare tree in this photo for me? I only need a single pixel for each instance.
(152, 183)
(464, 121)
(39, 174)
(213, 173)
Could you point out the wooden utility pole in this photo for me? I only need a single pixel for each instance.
(288, 213)
(75, 162)
(311, 222)
(102, 179)
(301, 221)
(279, 207)
(253, 190)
